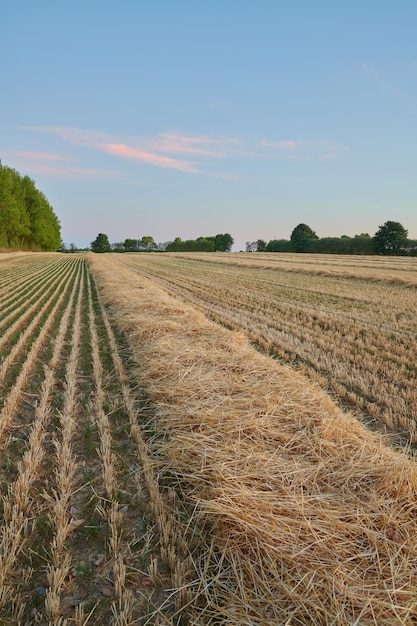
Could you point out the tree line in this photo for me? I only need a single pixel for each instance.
(27, 220)
(220, 242)
(390, 239)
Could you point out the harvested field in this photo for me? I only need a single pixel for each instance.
(293, 511)
(157, 469)
(82, 515)
(346, 322)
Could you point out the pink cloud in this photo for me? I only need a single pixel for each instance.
(148, 150)
(46, 163)
(129, 152)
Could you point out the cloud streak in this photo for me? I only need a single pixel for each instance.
(47, 164)
(295, 150)
(190, 154)
(385, 86)
(129, 152)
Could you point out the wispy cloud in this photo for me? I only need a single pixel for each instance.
(321, 150)
(46, 163)
(191, 154)
(387, 87)
(152, 151)
(216, 147)
(129, 152)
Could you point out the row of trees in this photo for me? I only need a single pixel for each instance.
(222, 242)
(390, 239)
(27, 220)
(219, 243)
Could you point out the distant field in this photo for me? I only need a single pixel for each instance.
(157, 469)
(347, 322)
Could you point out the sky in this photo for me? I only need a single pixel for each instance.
(186, 118)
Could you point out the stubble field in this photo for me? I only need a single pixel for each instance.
(156, 468)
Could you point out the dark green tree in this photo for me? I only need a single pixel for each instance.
(278, 245)
(147, 243)
(27, 220)
(222, 242)
(260, 245)
(300, 238)
(391, 238)
(101, 243)
(175, 246)
(131, 245)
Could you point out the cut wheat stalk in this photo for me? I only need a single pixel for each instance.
(45, 297)
(354, 337)
(174, 550)
(22, 295)
(60, 519)
(122, 608)
(12, 399)
(301, 514)
(18, 503)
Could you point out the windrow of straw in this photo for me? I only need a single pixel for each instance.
(357, 338)
(300, 515)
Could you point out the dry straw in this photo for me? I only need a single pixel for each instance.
(301, 515)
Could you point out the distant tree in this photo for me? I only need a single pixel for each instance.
(260, 245)
(101, 243)
(412, 247)
(222, 243)
(131, 245)
(278, 245)
(175, 246)
(147, 243)
(301, 236)
(251, 246)
(202, 244)
(362, 244)
(391, 238)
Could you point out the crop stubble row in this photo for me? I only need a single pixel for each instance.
(297, 513)
(83, 519)
(348, 323)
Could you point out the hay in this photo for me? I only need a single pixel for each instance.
(301, 515)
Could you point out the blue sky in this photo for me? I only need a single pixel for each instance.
(188, 118)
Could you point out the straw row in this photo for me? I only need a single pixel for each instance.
(356, 338)
(297, 514)
(400, 270)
